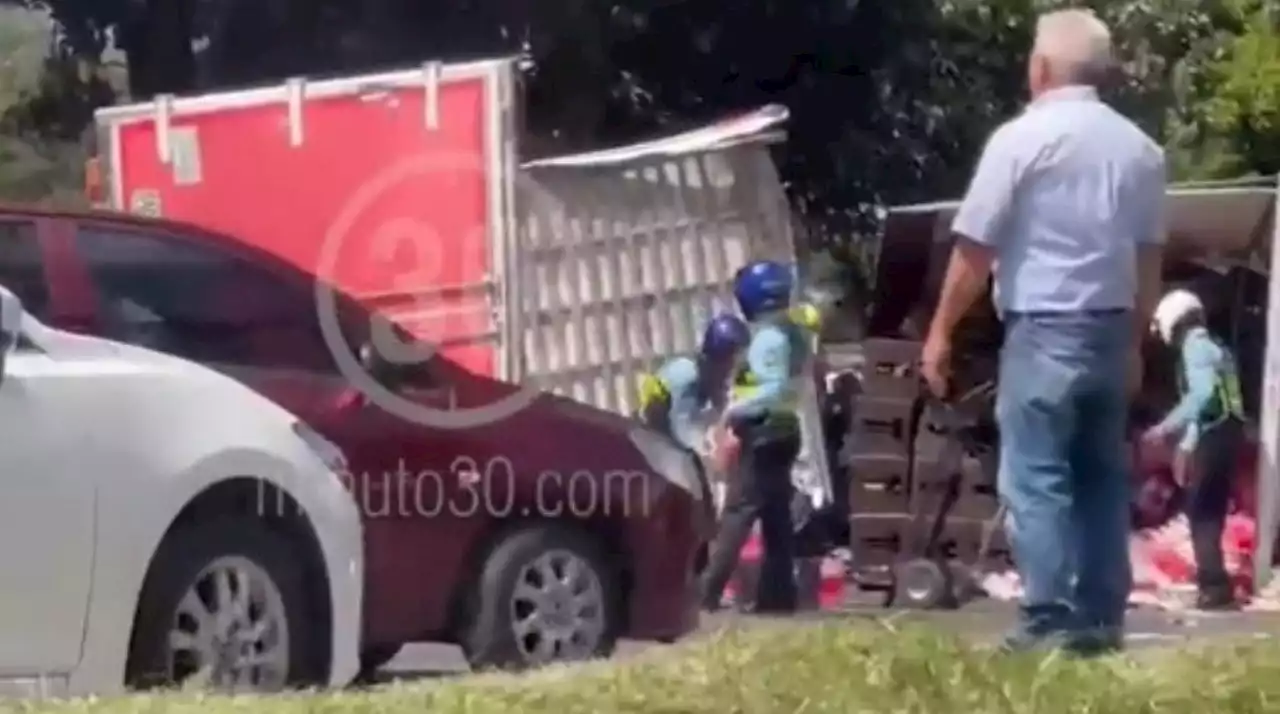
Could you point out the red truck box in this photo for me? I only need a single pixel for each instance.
(395, 187)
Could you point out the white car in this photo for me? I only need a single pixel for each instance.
(161, 522)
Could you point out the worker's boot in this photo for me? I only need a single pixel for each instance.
(1096, 642)
(1216, 599)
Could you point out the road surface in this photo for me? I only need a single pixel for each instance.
(983, 620)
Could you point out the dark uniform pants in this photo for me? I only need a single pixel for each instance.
(761, 489)
(1207, 498)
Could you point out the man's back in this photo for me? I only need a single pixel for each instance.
(1086, 190)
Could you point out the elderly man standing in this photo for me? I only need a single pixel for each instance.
(1065, 207)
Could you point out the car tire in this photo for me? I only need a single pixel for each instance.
(376, 657)
(190, 561)
(517, 566)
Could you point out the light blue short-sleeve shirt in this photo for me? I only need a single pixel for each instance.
(680, 376)
(1064, 193)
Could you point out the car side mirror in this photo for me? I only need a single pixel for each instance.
(377, 366)
(392, 373)
(391, 356)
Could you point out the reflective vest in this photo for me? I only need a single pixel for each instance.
(654, 403)
(1227, 400)
(800, 325)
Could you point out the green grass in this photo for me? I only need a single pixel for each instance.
(836, 668)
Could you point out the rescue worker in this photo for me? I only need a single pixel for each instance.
(1209, 420)
(685, 395)
(763, 418)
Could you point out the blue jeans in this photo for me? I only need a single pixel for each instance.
(1062, 409)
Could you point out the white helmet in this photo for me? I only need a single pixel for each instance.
(1173, 308)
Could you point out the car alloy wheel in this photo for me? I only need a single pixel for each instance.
(558, 609)
(230, 629)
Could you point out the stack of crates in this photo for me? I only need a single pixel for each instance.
(916, 488)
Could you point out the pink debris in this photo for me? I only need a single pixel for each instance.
(1160, 551)
(1164, 566)
(821, 581)
(1163, 563)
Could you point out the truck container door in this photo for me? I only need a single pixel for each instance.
(393, 187)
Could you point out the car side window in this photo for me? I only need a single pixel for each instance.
(22, 266)
(189, 299)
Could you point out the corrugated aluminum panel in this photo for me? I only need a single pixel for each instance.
(621, 272)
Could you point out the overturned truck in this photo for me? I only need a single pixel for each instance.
(924, 516)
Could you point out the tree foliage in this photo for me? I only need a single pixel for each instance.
(890, 101)
(42, 111)
(1242, 113)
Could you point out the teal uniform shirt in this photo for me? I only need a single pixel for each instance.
(673, 400)
(775, 359)
(1210, 389)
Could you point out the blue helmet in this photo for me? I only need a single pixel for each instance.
(724, 336)
(761, 287)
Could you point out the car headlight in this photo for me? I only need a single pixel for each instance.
(328, 451)
(676, 465)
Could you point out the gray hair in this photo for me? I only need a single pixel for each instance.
(1076, 44)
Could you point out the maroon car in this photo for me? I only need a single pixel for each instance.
(545, 536)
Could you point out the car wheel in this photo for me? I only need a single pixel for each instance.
(545, 594)
(225, 605)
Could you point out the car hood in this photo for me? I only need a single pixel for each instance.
(544, 407)
(577, 414)
(548, 431)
